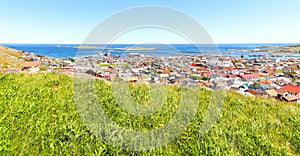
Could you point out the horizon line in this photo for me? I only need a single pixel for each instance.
(158, 43)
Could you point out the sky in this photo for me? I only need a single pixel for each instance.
(230, 21)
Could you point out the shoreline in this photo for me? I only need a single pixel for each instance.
(254, 76)
(67, 50)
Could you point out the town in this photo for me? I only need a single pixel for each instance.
(260, 76)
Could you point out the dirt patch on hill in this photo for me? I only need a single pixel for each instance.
(10, 57)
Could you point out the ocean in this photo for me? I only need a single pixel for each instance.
(70, 50)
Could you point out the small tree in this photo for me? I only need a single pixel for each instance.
(195, 77)
(294, 79)
(205, 78)
(256, 83)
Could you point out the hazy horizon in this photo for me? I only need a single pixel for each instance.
(140, 43)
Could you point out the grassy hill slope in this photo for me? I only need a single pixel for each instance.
(39, 117)
(10, 57)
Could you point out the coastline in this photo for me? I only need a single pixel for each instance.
(254, 75)
(68, 50)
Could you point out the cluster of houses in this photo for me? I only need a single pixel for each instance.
(266, 77)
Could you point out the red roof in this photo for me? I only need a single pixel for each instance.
(203, 69)
(255, 69)
(228, 68)
(251, 92)
(249, 76)
(194, 65)
(265, 82)
(269, 71)
(293, 89)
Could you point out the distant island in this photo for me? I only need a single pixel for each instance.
(89, 47)
(291, 48)
(102, 47)
(133, 48)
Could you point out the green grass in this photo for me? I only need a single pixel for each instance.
(106, 65)
(39, 117)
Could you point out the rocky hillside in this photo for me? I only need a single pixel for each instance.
(10, 57)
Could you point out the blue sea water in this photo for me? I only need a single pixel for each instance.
(69, 50)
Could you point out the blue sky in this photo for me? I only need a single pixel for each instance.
(230, 21)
